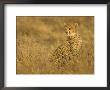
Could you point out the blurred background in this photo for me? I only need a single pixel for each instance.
(38, 36)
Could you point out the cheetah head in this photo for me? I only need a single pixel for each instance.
(71, 29)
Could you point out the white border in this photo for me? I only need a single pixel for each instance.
(100, 76)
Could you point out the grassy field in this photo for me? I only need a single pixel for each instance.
(37, 37)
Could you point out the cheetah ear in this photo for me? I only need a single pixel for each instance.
(76, 25)
(65, 25)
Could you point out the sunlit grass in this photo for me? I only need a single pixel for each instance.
(38, 37)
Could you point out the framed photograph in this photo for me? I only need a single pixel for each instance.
(54, 44)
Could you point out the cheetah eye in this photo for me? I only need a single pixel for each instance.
(69, 28)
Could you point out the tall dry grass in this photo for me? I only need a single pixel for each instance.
(37, 37)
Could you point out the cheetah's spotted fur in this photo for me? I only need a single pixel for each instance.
(66, 52)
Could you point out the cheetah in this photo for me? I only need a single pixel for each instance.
(68, 51)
